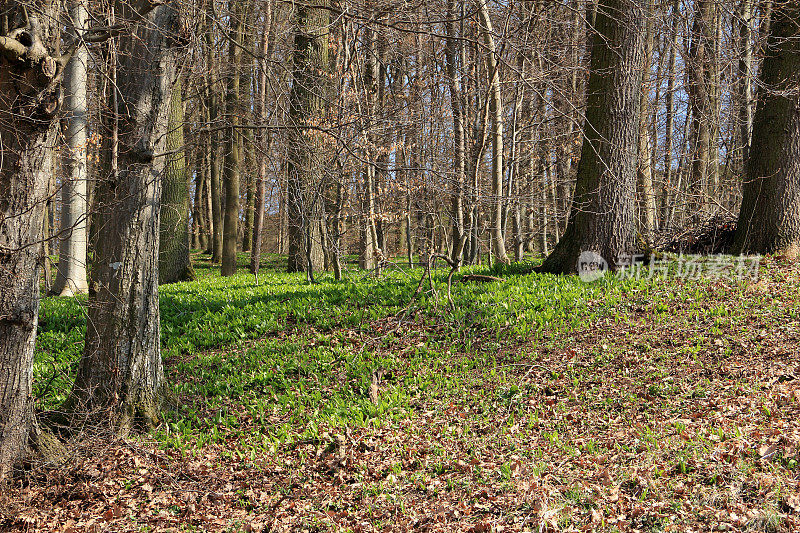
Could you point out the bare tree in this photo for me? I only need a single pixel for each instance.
(30, 98)
(602, 214)
(174, 263)
(310, 66)
(703, 89)
(769, 219)
(71, 274)
(230, 231)
(262, 139)
(120, 375)
(496, 110)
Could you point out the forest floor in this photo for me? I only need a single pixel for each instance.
(537, 403)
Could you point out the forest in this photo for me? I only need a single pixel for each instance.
(386, 265)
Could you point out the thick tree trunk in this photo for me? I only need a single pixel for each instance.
(23, 189)
(28, 105)
(120, 376)
(174, 263)
(602, 216)
(769, 220)
(305, 168)
(71, 274)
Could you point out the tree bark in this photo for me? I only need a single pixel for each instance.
(667, 187)
(457, 104)
(199, 220)
(29, 102)
(247, 154)
(496, 111)
(745, 76)
(230, 230)
(769, 219)
(215, 163)
(602, 215)
(120, 376)
(305, 169)
(214, 144)
(647, 197)
(703, 89)
(174, 263)
(369, 252)
(262, 140)
(71, 274)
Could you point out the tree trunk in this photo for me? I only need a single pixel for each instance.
(702, 96)
(230, 230)
(28, 106)
(71, 274)
(647, 197)
(207, 201)
(174, 263)
(200, 235)
(369, 250)
(215, 109)
(262, 140)
(215, 161)
(745, 76)
(247, 155)
(496, 110)
(120, 376)
(457, 104)
(769, 220)
(667, 187)
(310, 64)
(602, 215)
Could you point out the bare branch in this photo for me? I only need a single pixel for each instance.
(12, 49)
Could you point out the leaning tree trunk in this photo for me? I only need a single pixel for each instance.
(29, 101)
(602, 215)
(120, 376)
(174, 263)
(769, 220)
(71, 275)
